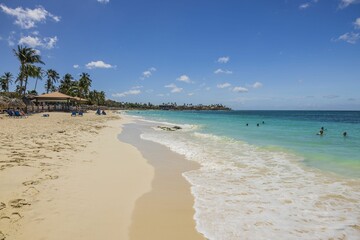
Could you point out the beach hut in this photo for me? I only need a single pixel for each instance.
(54, 97)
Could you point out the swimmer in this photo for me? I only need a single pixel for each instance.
(257, 125)
(263, 122)
(321, 132)
(344, 134)
(247, 124)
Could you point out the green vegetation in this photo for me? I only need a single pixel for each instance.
(29, 69)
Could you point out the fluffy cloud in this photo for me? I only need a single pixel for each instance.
(223, 85)
(223, 59)
(147, 73)
(346, 3)
(76, 66)
(174, 88)
(33, 42)
(357, 23)
(98, 64)
(28, 18)
(184, 78)
(103, 1)
(124, 94)
(218, 71)
(240, 89)
(191, 94)
(257, 85)
(349, 37)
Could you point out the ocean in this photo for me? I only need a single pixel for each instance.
(267, 174)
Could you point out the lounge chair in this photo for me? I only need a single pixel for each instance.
(73, 113)
(17, 114)
(10, 113)
(81, 113)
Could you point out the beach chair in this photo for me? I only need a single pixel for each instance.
(73, 113)
(10, 113)
(17, 114)
(81, 113)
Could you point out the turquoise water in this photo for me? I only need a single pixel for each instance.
(291, 131)
(278, 180)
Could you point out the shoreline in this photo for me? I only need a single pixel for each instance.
(72, 178)
(167, 211)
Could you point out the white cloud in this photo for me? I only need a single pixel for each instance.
(257, 85)
(30, 41)
(124, 94)
(11, 39)
(240, 89)
(349, 37)
(76, 66)
(218, 71)
(174, 88)
(147, 73)
(184, 78)
(357, 23)
(98, 64)
(191, 94)
(346, 3)
(28, 18)
(49, 42)
(223, 85)
(223, 59)
(33, 42)
(103, 1)
(304, 6)
(137, 87)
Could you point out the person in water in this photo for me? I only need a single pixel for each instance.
(247, 124)
(321, 132)
(344, 134)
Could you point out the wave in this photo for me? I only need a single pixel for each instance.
(245, 192)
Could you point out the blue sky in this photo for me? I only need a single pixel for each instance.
(246, 54)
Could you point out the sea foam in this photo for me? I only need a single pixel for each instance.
(245, 192)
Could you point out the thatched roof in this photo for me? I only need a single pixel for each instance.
(54, 96)
(78, 99)
(58, 97)
(16, 103)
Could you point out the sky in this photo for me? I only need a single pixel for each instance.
(246, 54)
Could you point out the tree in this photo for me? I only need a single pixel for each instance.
(66, 83)
(5, 81)
(26, 56)
(52, 78)
(84, 85)
(37, 73)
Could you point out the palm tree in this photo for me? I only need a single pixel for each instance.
(52, 78)
(37, 73)
(26, 56)
(66, 83)
(5, 81)
(84, 84)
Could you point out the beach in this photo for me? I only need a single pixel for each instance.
(65, 177)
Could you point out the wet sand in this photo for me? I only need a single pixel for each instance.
(166, 212)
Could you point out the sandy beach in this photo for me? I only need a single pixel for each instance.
(71, 178)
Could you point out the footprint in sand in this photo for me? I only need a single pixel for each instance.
(15, 216)
(31, 182)
(2, 236)
(2, 205)
(31, 191)
(18, 203)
